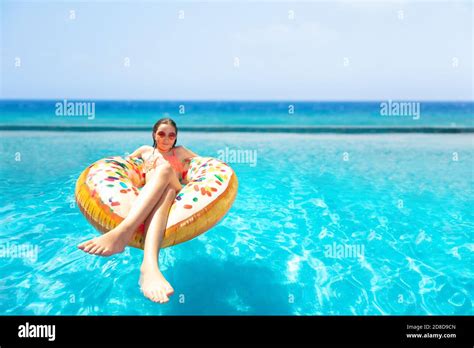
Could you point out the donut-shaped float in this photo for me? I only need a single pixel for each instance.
(106, 190)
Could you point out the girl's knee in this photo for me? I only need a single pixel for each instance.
(170, 193)
(165, 169)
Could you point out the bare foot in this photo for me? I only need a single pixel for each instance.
(153, 285)
(110, 243)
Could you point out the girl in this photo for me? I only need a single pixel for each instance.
(165, 166)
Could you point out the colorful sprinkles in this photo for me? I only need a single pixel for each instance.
(116, 183)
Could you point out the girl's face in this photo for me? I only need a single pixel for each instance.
(165, 136)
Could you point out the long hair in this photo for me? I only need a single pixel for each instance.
(164, 121)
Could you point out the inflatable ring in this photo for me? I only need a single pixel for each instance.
(106, 190)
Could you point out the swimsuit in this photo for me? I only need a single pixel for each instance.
(177, 165)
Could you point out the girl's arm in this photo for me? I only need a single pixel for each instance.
(188, 153)
(138, 152)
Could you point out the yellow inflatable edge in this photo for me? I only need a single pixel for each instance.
(195, 225)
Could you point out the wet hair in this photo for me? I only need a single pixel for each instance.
(164, 121)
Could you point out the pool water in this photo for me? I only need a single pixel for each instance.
(322, 224)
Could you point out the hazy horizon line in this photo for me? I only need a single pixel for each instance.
(245, 100)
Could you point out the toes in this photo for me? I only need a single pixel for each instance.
(160, 296)
(164, 297)
(94, 249)
(157, 291)
(155, 296)
(83, 245)
(151, 295)
(148, 294)
(100, 251)
(89, 246)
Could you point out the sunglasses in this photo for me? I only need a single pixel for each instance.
(171, 135)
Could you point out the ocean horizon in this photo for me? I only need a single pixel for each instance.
(299, 116)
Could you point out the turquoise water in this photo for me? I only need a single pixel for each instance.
(403, 202)
(186, 113)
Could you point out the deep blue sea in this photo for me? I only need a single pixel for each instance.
(185, 113)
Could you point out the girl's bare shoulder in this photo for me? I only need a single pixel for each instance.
(141, 151)
(146, 149)
(183, 152)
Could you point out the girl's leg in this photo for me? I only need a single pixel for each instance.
(116, 239)
(152, 282)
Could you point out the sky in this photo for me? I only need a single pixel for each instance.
(245, 50)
